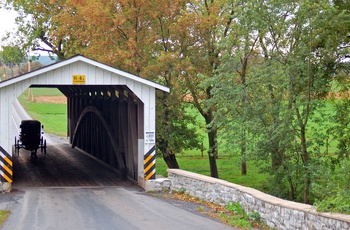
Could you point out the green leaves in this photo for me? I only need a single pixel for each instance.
(12, 55)
(334, 196)
(269, 85)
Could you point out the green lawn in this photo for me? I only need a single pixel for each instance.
(229, 169)
(52, 116)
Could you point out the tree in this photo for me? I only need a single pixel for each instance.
(313, 51)
(30, 66)
(201, 26)
(230, 94)
(35, 26)
(298, 53)
(131, 35)
(12, 56)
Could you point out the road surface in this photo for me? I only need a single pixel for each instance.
(97, 208)
(67, 189)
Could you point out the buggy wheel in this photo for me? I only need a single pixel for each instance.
(44, 147)
(41, 144)
(16, 146)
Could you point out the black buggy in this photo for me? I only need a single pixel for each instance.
(30, 137)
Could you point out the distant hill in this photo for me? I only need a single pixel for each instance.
(47, 60)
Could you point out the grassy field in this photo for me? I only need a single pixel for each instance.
(228, 169)
(53, 116)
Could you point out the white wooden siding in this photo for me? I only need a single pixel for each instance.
(61, 74)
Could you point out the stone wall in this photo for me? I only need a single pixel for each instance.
(276, 213)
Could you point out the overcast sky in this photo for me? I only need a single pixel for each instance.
(7, 24)
(7, 21)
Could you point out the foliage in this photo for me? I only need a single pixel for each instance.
(25, 68)
(233, 214)
(199, 35)
(11, 56)
(182, 190)
(35, 26)
(241, 218)
(292, 57)
(177, 130)
(333, 192)
(4, 214)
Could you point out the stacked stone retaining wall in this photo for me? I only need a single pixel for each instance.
(275, 212)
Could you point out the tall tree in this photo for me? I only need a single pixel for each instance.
(298, 54)
(201, 26)
(35, 25)
(12, 56)
(131, 35)
(231, 92)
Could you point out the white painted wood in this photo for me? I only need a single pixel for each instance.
(96, 74)
(107, 77)
(5, 118)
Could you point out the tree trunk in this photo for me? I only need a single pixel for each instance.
(213, 152)
(168, 156)
(170, 160)
(213, 167)
(244, 167)
(305, 157)
(243, 154)
(276, 156)
(307, 183)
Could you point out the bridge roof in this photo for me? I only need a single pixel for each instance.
(80, 58)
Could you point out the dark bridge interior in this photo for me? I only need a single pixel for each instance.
(106, 122)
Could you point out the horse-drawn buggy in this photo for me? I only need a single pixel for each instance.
(31, 137)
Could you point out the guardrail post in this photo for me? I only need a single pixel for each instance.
(5, 171)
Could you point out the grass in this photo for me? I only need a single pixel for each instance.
(233, 214)
(52, 116)
(228, 169)
(4, 214)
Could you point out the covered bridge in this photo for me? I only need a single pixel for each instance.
(110, 114)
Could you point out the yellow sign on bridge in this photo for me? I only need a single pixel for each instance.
(79, 79)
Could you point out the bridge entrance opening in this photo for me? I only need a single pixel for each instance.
(110, 113)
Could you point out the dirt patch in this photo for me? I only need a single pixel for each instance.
(51, 99)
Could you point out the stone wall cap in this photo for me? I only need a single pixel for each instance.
(306, 208)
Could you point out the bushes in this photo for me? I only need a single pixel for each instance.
(334, 196)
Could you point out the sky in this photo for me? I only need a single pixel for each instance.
(7, 21)
(7, 24)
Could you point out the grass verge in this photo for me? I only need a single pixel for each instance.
(4, 214)
(232, 215)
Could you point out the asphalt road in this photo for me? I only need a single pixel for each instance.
(66, 189)
(97, 208)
